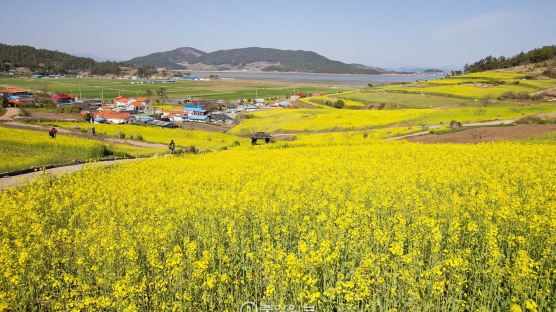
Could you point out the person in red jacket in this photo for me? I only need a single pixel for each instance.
(52, 133)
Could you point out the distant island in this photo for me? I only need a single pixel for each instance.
(251, 59)
(433, 71)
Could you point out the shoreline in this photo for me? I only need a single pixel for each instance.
(303, 73)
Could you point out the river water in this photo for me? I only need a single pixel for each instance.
(325, 79)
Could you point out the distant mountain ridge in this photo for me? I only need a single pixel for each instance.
(169, 59)
(253, 58)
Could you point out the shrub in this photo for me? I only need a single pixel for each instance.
(551, 72)
(339, 104)
(87, 116)
(523, 96)
(136, 137)
(508, 96)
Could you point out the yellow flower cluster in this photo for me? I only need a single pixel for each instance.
(204, 140)
(372, 227)
(22, 149)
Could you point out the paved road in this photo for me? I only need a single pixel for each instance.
(22, 179)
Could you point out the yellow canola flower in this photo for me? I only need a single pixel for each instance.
(363, 227)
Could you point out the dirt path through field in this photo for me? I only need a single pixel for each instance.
(486, 134)
(19, 180)
(471, 124)
(11, 112)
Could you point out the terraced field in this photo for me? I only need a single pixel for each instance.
(307, 120)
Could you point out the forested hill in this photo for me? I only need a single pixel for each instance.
(41, 60)
(534, 56)
(252, 58)
(47, 61)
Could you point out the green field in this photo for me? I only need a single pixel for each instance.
(110, 88)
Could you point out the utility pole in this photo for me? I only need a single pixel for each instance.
(102, 95)
(79, 85)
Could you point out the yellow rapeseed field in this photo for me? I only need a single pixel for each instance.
(373, 227)
(200, 139)
(21, 149)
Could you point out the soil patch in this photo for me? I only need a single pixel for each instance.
(486, 134)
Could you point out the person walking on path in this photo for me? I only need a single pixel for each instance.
(94, 131)
(52, 133)
(172, 147)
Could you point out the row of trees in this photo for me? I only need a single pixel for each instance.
(105, 68)
(534, 56)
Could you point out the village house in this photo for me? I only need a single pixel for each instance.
(169, 114)
(195, 109)
(259, 102)
(220, 118)
(250, 108)
(179, 118)
(62, 99)
(281, 104)
(198, 118)
(232, 108)
(122, 101)
(18, 97)
(141, 119)
(135, 106)
(106, 107)
(111, 117)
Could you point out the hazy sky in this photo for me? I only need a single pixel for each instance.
(378, 33)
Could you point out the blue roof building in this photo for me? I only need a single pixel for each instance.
(198, 118)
